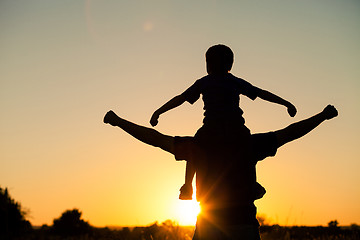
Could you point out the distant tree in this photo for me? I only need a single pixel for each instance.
(70, 224)
(12, 217)
(334, 227)
(263, 220)
(354, 226)
(333, 224)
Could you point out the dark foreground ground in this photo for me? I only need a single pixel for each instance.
(171, 231)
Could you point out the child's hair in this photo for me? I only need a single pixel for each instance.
(219, 58)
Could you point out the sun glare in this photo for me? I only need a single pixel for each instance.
(148, 26)
(187, 211)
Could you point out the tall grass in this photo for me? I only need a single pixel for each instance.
(170, 230)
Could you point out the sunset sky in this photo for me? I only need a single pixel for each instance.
(64, 64)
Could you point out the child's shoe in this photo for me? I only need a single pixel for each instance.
(186, 192)
(258, 191)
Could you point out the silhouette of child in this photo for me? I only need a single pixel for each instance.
(223, 118)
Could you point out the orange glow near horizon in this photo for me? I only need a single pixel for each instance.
(63, 65)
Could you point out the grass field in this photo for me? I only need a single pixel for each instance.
(169, 230)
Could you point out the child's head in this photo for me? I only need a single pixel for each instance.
(219, 59)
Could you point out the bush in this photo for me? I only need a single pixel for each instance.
(70, 224)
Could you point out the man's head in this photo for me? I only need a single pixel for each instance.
(219, 59)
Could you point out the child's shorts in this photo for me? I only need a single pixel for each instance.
(262, 145)
(223, 133)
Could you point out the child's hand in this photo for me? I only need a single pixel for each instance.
(291, 110)
(154, 119)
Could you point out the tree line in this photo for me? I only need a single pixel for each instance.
(71, 226)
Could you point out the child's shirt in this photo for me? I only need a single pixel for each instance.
(221, 95)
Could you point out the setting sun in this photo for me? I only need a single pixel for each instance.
(187, 212)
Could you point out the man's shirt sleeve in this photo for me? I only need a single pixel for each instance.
(183, 148)
(263, 145)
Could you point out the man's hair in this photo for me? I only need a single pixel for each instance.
(219, 58)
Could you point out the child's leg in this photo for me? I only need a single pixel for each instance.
(299, 129)
(189, 173)
(186, 191)
(144, 134)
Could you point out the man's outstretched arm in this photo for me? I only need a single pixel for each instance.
(144, 134)
(299, 129)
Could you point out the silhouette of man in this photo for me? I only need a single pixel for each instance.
(224, 183)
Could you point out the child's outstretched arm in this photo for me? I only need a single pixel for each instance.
(268, 96)
(173, 103)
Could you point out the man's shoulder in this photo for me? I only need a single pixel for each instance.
(204, 78)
